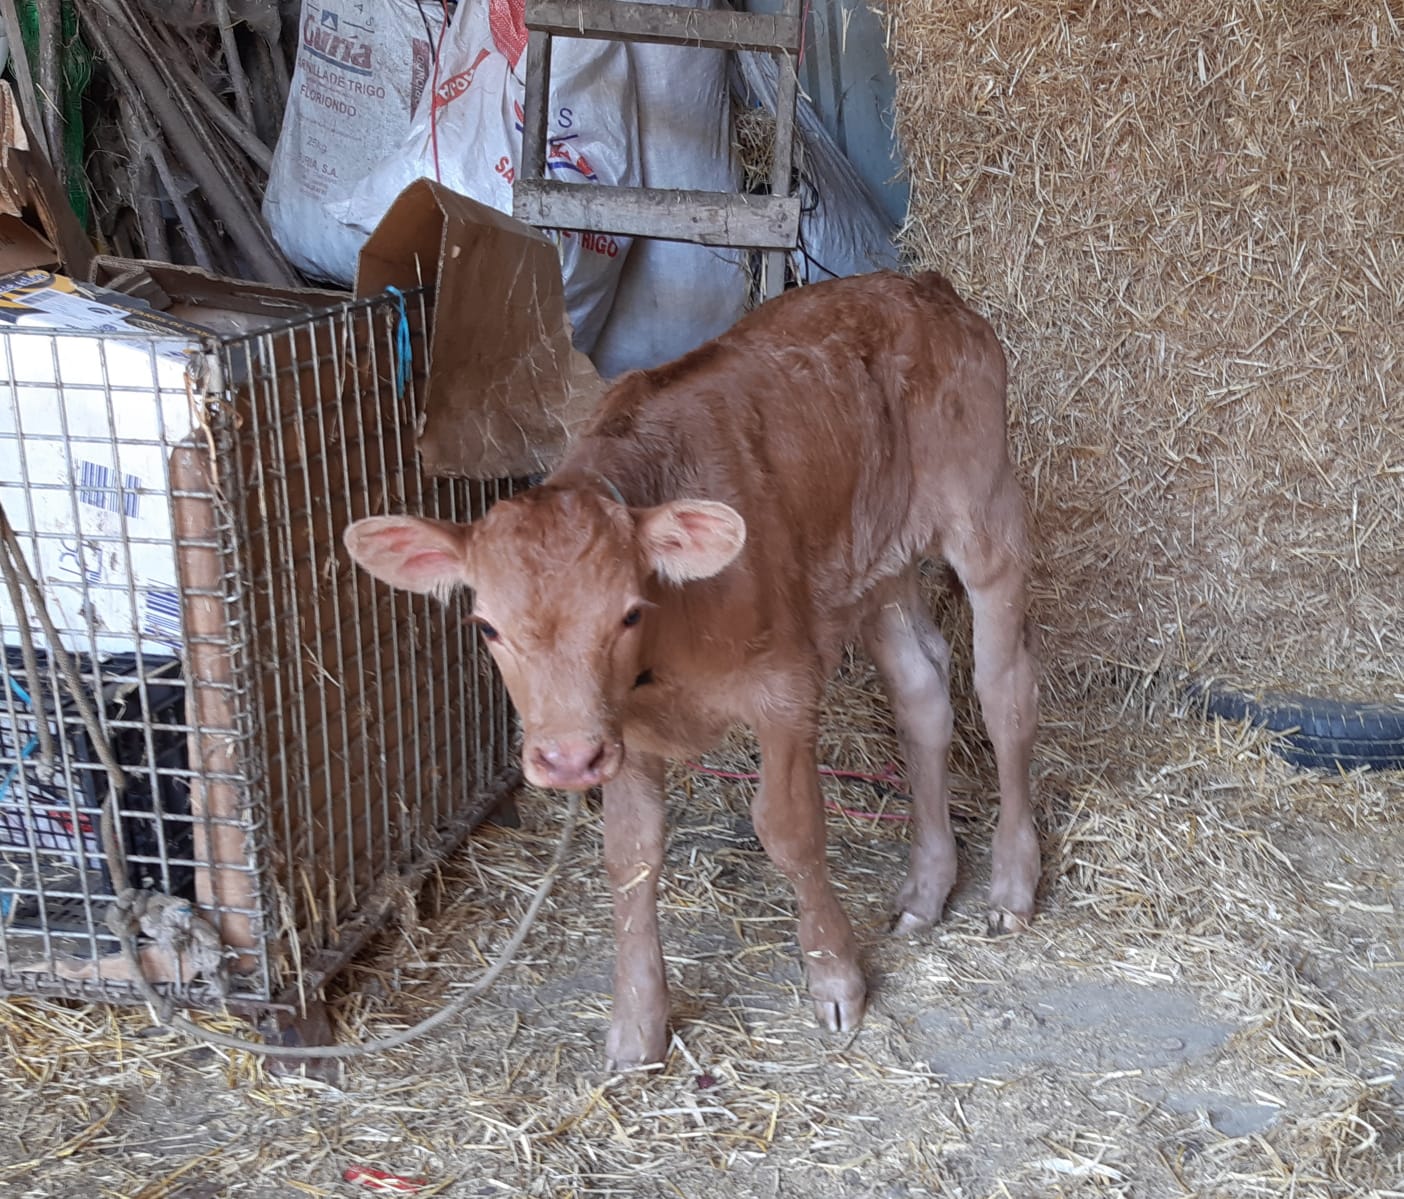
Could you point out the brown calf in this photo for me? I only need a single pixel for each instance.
(699, 559)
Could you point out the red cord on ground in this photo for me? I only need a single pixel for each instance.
(890, 777)
(380, 1181)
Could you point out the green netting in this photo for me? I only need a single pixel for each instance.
(76, 69)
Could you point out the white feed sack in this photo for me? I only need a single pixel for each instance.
(362, 66)
(470, 139)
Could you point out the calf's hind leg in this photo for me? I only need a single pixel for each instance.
(914, 661)
(992, 565)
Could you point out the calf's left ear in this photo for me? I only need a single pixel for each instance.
(691, 539)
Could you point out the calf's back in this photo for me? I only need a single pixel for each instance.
(853, 425)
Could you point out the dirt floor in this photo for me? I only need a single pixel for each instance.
(1210, 1003)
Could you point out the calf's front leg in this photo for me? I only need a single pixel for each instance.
(788, 814)
(633, 849)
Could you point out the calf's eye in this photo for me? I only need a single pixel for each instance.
(632, 617)
(489, 633)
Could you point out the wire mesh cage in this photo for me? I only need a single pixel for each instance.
(296, 744)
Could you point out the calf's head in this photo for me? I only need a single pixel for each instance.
(560, 582)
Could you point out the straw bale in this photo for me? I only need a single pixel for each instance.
(1184, 221)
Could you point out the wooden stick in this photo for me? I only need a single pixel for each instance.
(194, 237)
(150, 151)
(243, 101)
(142, 180)
(241, 134)
(51, 84)
(282, 79)
(537, 103)
(148, 156)
(782, 151)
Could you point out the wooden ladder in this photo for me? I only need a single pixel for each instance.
(769, 223)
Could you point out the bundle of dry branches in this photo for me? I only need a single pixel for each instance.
(195, 95)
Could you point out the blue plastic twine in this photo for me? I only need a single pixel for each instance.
(404, 352)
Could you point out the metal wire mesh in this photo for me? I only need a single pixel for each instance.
(299, 742)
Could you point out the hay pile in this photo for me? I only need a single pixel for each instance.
(1209, 1004)
(1184, 220)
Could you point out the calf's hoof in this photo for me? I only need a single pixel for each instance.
(1011, 907)
(922, 899)
(840, 1015)
(907, 923)
(1014, 881)
(631, 1045)
(1003, 920)
(839, 993)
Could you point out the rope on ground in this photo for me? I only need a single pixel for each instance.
(173, 923)
(380, 1044)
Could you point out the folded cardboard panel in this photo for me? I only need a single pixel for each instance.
(507, 389)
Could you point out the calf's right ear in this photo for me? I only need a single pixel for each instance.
(429, 557)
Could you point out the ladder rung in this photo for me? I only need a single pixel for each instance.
(671, 24)
(708, 218)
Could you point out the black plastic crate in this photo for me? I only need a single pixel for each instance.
(51, 857)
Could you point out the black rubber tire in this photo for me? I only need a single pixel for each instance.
(1318, 734)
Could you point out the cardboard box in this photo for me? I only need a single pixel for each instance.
(22, 247)
(507, 390)
(28, 185)
(95, 395)
(103, 468)
(93, 398)
(228, 307)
